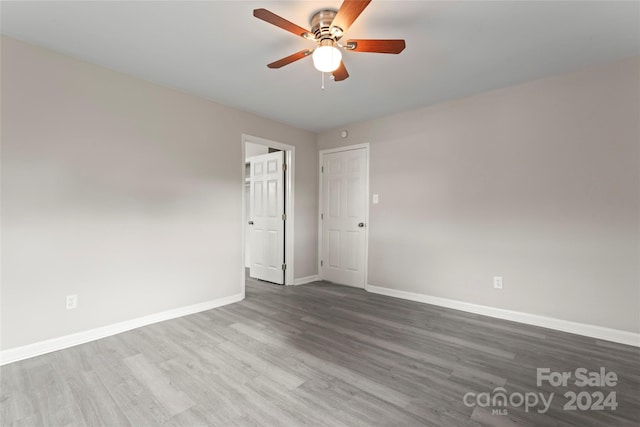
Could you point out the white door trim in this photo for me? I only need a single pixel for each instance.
(289, 158)
(366, 211)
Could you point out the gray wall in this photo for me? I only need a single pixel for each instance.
(125, 193)
(538, 183)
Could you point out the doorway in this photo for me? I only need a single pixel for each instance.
(344, 215)
(258, 149)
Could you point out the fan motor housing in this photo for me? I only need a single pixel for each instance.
(321, 25)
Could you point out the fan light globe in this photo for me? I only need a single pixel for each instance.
(327, 58)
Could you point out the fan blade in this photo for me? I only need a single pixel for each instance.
(341, 73)
(348, 13)
(291, 58)
(278, 21)
(376, 46)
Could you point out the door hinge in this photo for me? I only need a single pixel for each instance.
(322, 169)
(321, 216)
(284, 267)
(284, 217)
(321, 263)
(284, 167)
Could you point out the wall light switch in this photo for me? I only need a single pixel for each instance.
(375, 199)
(72, 302)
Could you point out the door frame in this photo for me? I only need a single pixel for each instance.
(366, 210)
(289, 158)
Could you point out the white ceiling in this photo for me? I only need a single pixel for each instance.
(218, 50)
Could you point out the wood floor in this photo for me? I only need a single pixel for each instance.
(319, 355)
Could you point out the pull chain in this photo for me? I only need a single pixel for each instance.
(323, 80)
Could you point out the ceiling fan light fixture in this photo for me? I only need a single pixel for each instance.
(327, 28)
(327, 58)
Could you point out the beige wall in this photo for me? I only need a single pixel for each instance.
(538, 183)
(125, 193)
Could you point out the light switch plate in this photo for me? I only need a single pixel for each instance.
(72, 302)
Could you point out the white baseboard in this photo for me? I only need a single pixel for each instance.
(593, 331)
(305, 280)
(54, 344)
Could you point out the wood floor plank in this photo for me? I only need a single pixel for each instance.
(94, 401)
(174, 401)
(137, 404)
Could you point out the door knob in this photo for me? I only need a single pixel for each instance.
(361, 224)
(250, 222)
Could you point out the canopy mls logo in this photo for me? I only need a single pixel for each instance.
(499, 399)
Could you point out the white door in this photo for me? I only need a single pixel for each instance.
(247, 230)
(343, 216)
(266, 218)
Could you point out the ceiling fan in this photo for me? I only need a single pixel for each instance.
(327, 28)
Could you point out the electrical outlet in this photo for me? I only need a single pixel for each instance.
(72, 302)
(497, 282)
(375, 199)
